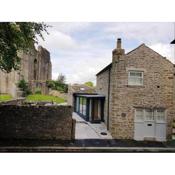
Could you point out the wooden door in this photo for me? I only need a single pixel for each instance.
(95, 109)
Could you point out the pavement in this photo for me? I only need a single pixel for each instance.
(87, 130)
(87, 149)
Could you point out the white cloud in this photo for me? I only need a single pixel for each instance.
(144, 32)
(80, 68)
(165, 50)
(80, 57)
(57, 40)
(69, 27)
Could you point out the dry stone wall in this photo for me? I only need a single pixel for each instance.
(36, 122)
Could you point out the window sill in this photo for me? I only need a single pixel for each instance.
(136, 86)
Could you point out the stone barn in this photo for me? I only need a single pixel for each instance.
(36, 69)
(139, 94)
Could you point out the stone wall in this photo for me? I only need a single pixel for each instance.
(58, 94)
(18, 101)
(102, 88)
(36, 122)
(157, 90)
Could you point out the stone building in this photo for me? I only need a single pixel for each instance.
(139, 94)
(35, 69)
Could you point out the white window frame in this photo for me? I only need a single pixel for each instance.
(156, 116)
(153, 116)
(143, 111)
(129, 77)
(154, 113)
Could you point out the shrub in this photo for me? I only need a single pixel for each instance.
(56, 85)
(89, 83)
(23, 85)
(50, 84)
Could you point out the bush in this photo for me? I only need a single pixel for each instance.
(56, 85)
(89, 83)
(50, 84)
(23, 85)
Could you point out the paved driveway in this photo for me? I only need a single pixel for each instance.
(87, 130)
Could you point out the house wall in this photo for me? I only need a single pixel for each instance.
(158, 72)
(70, 95)
(102, 87)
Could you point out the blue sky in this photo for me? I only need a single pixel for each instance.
(80, 50)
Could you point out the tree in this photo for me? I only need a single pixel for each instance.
(15, 36)
(61, 78)
(89, 83)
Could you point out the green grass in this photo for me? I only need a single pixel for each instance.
(48, 98)
(5, 97)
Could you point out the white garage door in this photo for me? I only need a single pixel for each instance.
(150, 124)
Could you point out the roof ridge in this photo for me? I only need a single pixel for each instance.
(143, 44)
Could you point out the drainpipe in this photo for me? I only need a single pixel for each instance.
(109, 83)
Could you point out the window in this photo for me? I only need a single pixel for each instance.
(160, 115)
(157, 115)
(139, 115)
(135, 78)
(149, 115)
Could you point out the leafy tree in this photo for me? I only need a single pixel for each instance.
(61, 78)
(15, 36)
(89, 83)
(51, 84)
(55, 85)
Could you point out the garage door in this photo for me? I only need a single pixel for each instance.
(150, 124)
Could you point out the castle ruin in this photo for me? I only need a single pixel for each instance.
(35, 68)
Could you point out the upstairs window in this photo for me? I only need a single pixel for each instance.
(135, 78)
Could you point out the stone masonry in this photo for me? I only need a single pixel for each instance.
(35, 69)
(36, 122)
(157, 90)
(103, 84)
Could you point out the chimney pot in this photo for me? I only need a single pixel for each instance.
(119, 43)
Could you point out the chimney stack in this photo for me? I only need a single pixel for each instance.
(118, 51)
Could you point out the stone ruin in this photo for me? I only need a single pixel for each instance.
(35, 69)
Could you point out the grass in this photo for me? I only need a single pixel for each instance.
(5, 97)
(48, 98)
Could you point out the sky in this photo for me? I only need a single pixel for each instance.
(80, 50)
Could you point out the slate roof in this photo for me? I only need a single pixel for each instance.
(81, 88)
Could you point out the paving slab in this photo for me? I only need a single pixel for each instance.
(87, 130)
